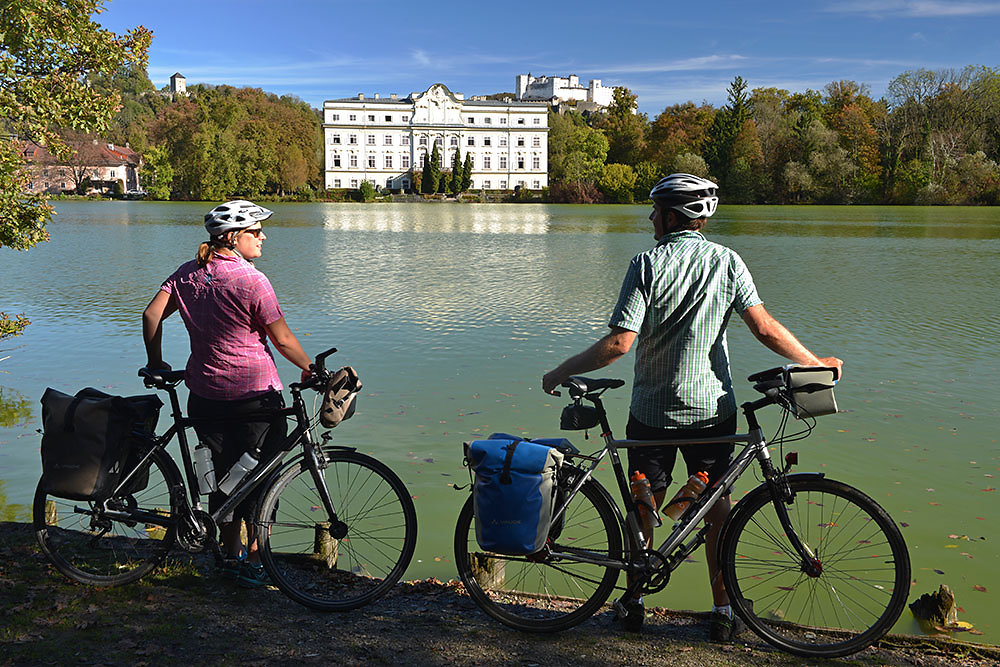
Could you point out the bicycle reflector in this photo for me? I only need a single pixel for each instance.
(578, 417)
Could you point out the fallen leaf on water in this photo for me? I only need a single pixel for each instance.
(951, 546)
(939, 571)
(981, 589)
(904, 524)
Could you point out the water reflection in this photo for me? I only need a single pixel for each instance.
(438, 218)
(15, 408)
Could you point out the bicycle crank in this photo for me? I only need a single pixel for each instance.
(194, 536)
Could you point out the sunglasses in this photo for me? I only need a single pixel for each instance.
(256, 232)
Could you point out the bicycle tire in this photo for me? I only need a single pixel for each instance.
(549, 594)
(91, 548)
(314, 569)
(857, 597)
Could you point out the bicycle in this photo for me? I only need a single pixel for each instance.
(336, 528)
(813, 566)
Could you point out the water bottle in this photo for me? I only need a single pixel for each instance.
(643, 496)
(236, 474)
(204, 469)
(697, 483)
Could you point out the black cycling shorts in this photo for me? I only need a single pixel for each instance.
(243, 426)
(657, 463)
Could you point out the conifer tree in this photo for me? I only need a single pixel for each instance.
(467, 172)
(428, 184)
(455, 185)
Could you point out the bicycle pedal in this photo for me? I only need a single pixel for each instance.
(620, 610)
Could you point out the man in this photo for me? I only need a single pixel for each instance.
(675, 301)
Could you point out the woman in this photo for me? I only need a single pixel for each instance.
(230, 311)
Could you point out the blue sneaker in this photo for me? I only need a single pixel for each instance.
(252, 575)
(229, 568)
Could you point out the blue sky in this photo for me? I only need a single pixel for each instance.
(667, 52)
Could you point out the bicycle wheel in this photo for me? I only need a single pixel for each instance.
(303, 558)
(860, 591)
(88, 546)
(552, 591)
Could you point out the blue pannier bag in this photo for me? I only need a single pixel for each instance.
(513, 494)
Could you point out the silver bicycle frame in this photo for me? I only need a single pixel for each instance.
(756, 449)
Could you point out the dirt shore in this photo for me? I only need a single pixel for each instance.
(186, 615)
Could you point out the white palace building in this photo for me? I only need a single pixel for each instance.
(382, 139)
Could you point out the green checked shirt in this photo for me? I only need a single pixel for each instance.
(678, 298)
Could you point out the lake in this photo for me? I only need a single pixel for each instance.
(451, 314)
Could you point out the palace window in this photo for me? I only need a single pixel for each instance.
(520, 141)
(470, 120)
(520, 163)
(486, 185)
(336, 161)
(537, 121)
(454, 141)
(536, 184)
(503, 161)
(371, 118)
(352, 139)
(371, 161)
(503, 121)
(503, 141)
(406, 119)
(353, 117)
(486, 162)
(536, 162)
(486, 141)
(354, 183)
(423, 141)
(503, 185)
(336, 138)
(472, 141)
(388, 118)
(336, 182)
(404, 160)
(336, 117)
(388, 162)
(388, 140)
(536, 142)
(406, 140)
(371, 139)
(354, 161)
(520, 121)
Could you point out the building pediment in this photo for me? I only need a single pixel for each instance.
(437, 106)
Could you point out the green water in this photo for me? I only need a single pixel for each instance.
(452, 313)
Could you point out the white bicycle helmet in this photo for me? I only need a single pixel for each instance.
(693, 196)
(234, 215)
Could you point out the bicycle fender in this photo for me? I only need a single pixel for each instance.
(614, 506)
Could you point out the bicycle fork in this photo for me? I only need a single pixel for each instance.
(338, 529)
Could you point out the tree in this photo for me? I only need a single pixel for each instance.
(455, 184)
(432, 172)
(690, 163)
(157, 174)
(726, 125)
(367, 191)
(467, 172)
(680, 128)
(47, 48)
(624, 128)
(617, 183)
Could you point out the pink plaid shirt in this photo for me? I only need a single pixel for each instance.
(225, 307)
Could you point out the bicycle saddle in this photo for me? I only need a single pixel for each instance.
(579, 385)
(160, 377)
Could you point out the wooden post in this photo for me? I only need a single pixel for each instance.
(324, 545)
(489, 572)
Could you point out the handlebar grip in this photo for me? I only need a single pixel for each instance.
(320, 363)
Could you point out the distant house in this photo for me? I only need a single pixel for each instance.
(178, 85)
(100, 165)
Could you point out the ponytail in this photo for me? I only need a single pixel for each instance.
(208, 249)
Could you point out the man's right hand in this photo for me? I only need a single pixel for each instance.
(833, 362)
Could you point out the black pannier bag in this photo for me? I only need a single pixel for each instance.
(86, 441)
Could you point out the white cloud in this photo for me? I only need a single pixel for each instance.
(915, 8)
(421, 58)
